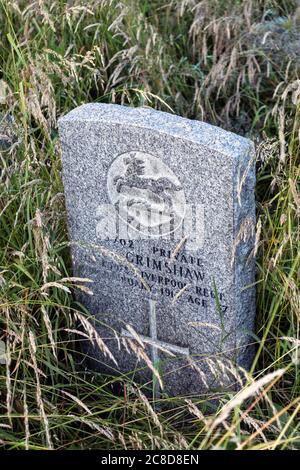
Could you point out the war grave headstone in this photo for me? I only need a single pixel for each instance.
(161, 216)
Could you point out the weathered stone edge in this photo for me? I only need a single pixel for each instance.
(220, 140)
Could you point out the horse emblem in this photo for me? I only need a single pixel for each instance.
(134, 178)
(148, 190)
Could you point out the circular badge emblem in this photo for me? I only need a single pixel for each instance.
(147, 194)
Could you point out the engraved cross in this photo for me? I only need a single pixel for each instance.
(154, 342)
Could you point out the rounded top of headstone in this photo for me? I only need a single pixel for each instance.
(147, 118)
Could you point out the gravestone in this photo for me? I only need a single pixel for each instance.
(161, 216)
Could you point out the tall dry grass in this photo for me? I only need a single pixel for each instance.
(206, 60)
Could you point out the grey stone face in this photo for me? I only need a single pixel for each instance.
(161, 215)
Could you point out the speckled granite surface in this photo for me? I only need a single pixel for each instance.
(162, 213)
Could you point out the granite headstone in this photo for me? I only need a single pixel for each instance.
(161, 215)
